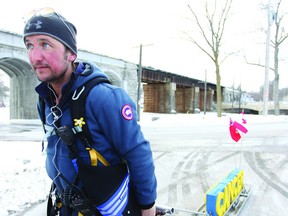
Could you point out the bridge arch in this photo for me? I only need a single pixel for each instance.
(22, 82)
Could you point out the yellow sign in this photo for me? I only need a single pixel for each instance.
(221, 195)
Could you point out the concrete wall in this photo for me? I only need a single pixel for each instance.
(23, 98)
(121, 73)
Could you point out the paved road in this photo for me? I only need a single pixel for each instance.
(194, 152)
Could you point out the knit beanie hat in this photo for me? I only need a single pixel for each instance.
(55, 26)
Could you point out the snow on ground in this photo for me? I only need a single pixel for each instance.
(23, 179)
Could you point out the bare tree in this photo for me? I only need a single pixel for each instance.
(280, 36)
(212, 36)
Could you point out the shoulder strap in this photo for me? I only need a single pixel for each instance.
(78, 97)
(41, 109)
(41, 112)
(77, 108)
(77, 102)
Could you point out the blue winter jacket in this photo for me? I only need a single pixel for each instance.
(112, 121)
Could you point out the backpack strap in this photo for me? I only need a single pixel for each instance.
(41, 104)
(77, 108)
(41, 112)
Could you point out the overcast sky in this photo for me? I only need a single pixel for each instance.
(117, 28)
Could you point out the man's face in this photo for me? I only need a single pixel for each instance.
(49, 58)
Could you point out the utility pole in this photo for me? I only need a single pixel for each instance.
(266, 81)
(139, 76)
(139, 83)
(205, 92)
(233, 94)
(240, 97)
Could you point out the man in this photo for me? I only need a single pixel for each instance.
(110, 115)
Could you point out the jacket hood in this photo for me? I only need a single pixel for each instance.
(86, 71)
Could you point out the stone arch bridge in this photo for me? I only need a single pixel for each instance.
(163, 92)
(14, 62)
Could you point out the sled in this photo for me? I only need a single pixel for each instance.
(235, 208)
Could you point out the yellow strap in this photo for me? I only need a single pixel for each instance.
(95, 156)
(58, 205)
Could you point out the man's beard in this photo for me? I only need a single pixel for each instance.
(55, 78)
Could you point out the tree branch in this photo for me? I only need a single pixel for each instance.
(256, 64)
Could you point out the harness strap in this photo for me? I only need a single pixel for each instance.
(116, 204)
(95, 156)
(79, 118)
